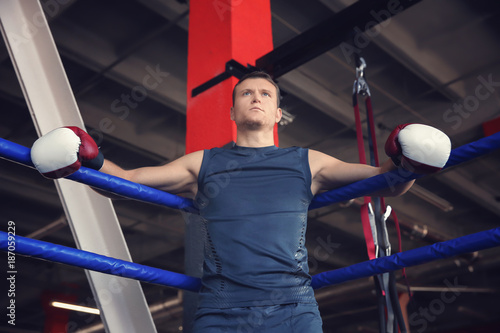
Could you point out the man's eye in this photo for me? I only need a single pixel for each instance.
(266, 94)
(246, 93)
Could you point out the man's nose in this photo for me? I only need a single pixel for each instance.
(256, 98)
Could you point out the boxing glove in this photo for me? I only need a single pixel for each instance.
(418, 148)
(63, 151)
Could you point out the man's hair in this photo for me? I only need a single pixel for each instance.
(259, 75)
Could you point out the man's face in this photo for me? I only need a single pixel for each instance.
(255, 105)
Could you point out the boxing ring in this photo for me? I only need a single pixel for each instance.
(99, 263)
(47, 93)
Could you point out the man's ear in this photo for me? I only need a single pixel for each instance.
(232, 113)
(279, 114)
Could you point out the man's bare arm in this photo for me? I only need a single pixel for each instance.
(177, 177)
(329, 173)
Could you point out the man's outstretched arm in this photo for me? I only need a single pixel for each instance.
(414, 147)
(64, 150)
(177, 177)
(329, 173)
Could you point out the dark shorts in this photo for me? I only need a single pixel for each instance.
(287, 318)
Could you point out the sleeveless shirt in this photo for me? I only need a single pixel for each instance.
(254, 204)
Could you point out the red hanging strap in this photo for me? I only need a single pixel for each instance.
(365, 218)
(371, 126)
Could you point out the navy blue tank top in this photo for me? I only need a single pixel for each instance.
(254, 204)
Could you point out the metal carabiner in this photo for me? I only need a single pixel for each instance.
(360, 85)
(360, 68)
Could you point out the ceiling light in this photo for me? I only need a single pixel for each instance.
(75, 307)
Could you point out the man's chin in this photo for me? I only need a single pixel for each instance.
(253, 126)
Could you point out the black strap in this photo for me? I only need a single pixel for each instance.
(95, 163)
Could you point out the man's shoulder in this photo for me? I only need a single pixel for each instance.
(191, 161)
(296, 149)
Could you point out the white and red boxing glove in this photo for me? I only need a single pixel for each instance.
(418, 148)
(63, 151)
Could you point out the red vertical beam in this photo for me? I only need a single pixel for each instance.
(221, 30)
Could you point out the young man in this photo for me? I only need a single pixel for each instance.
(254, 200)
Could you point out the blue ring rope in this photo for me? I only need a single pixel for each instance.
(20, 154)
(389, 179)
(88, 260)
(453, 247)
(96, 262)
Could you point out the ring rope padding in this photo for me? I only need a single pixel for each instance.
(95, 262)
(88, 260)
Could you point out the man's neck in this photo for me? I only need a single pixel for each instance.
(255, 139)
